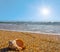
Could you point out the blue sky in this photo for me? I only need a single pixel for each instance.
(29, 10)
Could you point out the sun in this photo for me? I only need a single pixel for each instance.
(45, 11)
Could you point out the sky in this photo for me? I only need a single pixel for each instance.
(29, 10)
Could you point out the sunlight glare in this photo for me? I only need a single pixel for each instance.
(45, 11)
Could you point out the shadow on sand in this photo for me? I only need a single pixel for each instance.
(8, 49)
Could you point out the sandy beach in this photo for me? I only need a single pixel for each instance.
(34, 42)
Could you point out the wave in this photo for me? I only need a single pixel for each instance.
(31, 28)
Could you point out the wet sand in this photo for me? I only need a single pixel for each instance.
(34, 42)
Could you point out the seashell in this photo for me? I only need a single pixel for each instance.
(16, 44)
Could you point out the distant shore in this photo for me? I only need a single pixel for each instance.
(34, 42)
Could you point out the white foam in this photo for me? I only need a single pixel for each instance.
(33, 32)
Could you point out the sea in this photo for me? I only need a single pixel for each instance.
(36, 27)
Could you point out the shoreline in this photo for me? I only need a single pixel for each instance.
(31, 32)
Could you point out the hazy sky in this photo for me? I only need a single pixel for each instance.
(29, 10)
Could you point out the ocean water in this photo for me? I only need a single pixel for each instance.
(33, 27)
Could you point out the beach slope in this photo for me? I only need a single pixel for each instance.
(34, 42)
